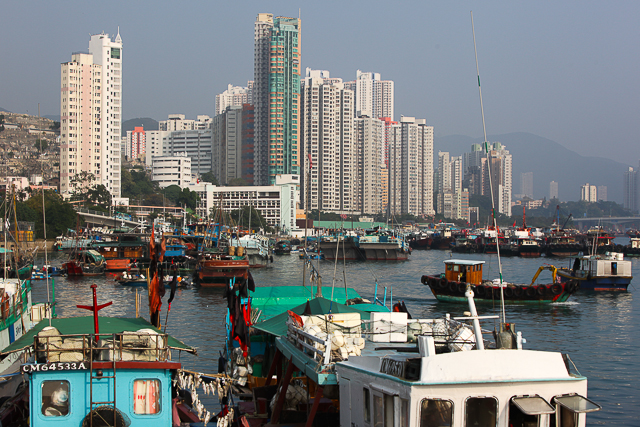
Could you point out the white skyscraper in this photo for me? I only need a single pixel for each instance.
(330, 165)
(553, 190)
(234, 96)
(369, 134)
(411, 168)
(589, 193)
(80, 121)
(108, 54)
(374, 97)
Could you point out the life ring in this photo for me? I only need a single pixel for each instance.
(541, 290)
(518, 291)
(453, 287)
(556, 289)
(508, 292)
(462, 287)
(441, 283)
(480, 291)
(531, 291)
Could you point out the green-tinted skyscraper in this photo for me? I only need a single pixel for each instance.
(276, 97)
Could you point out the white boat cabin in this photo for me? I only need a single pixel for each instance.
(611, 264)
(449, 380)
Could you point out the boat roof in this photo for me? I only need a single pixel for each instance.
(475, 366)
(84, 326)
(273, 300)
(463, 261)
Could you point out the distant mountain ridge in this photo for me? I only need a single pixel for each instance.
(549, 161)
(146, 122)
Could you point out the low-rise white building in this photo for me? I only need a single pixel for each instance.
(172, 170)
(276, 203)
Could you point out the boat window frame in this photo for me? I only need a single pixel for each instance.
(585, 411)
(366, 405)
(466, 401)
(159, 399)
(534, 396)
(441, 399)
(42, 408)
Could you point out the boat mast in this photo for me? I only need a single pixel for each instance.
(44, 225)
(486, 148)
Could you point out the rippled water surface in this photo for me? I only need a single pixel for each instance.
(598, 330)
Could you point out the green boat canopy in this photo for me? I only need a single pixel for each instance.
(273, 300)
(84, 326)
(318, 306)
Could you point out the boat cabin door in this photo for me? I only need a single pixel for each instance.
(345, 401)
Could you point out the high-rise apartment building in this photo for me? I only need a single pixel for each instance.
(452, 201)
(589, 193)
(234, 96)
(411, 168)
(388, 134)
(374, 97)
(108, 54)
(330, 162)
(369, 134)
(631, 190)
(526, 184)
(90, 115)
(553, 190)
(80, 121)
(498, 172)
(276, 97)
(177, 122)
(602, 193)
(135, 144)
(232, 153)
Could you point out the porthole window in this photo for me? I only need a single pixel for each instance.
(146, 397)
(55, 398)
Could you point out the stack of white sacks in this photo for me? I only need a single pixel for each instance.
(344, 330)
(142, 345)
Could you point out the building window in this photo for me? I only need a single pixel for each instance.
(146, 397)
(55, 398)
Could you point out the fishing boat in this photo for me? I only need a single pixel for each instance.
(47, 271)
(608, 272)
(217, 268)
(342, 246)
(121, 250)
(17, 316)
(381, 246)
(633, 248)
(85, 263)
(442, 372)
(258, 249)
(96, 371)
(462, 274)
(282, 247)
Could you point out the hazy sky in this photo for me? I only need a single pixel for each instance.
(565, 70)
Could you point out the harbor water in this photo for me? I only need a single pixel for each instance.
(598, 330)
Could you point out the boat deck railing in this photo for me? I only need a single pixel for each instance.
(127, 346)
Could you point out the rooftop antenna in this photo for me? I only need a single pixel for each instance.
(486, 148)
